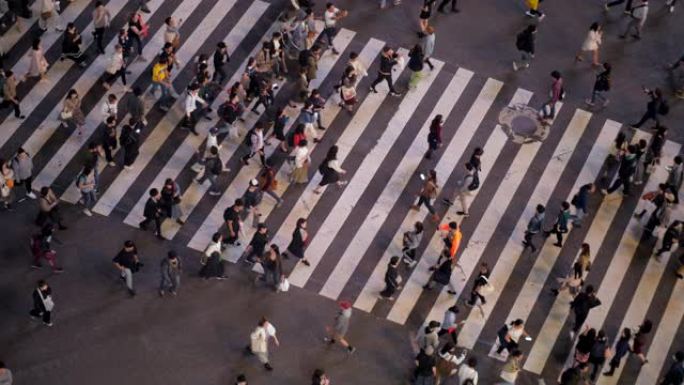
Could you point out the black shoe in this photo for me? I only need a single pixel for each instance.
(554, 292)
(373, 90)
(426, 287)
(145, 9)
(142, 226)
(268, 367)
(131, 292)
(451, 292)
(558, 244)
(62, 227)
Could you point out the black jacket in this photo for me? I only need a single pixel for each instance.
(583, 303)
(151, 208)
(525, 42)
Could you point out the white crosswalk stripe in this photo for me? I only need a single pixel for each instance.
(354, 272)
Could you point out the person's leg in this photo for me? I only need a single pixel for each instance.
(614, 3)
(390, 84)
(376, 82)
(47, 317)
(442, 5)
(157, 225)
(429, 63)
(559, 238)
(616, 185)
(98, 34)
(128, 275)
(464, 202)
(175, 283)
(17, 109)
(274, 195)
(162, 283)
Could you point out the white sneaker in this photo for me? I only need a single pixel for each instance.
(515, 66)
(88, 212)
(31, 195)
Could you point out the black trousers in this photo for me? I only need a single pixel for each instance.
(559, 234)
(647, 116)
(38, 313)
(219, 74)
(130, 154)
(111, 78)
(444, 3)
(620, 181)
(387, 78)
(98, 34)
(528, 241)
(579, 321)
(157, 223)
(10, 103)
(108, 148)
(27, 183)
(628, 5)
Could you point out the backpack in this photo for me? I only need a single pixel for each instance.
(475, 183)
(664, 108)
(304, 58)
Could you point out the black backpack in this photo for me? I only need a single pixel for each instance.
(216, 167)
(304, 57)
(664, 108)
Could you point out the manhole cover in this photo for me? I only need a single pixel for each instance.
(521, 123)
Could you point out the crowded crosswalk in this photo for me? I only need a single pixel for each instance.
(356, 228)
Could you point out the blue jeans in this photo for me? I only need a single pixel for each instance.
(165, 91)
(172, 281)
(89, 198)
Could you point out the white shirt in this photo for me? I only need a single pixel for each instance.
(515, 333)
(335, 165)
(301, 155)
(214, 247)
(592, 41)
(329, 17)
(212, 141)
(109, 109)
(116, 62)
(465, 372)
(359, 68)
(191, 101)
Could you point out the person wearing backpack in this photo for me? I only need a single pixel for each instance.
(524, 42)
(410, 242)
(435, 135)
(655, 106)
(255, 140)
(601, 87)
(213, 167)
(129, 139)
(580, 201)
(625, 171)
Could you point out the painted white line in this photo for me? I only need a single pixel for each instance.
(407, 167)
(369, 295)
(73, 144)
(161, 132)
(479, 239)
(545, 339)
(622, 258)
(664, 336)
(327, 232)
(513, 249)
(196, 191)
(239, 184)
(350, 135)
(57, 70)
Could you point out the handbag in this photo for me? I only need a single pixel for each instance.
(48, 303)
(284, 285)
(66, 115)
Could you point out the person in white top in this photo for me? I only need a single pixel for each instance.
(467, 372)
(330, 17)
(49, 15)
(192, 112)
(259, 341)
(448, 362)
(256, 144)
(172, 34)
(110, 107)
(359, 68)
(101, 20)
(591, 44)
(509, 336)
(116, 68)
(300, 174)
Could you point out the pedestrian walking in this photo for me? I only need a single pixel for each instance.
(338, 331)
(468, 372)
(575, 279)
(581, 305)
(638, 15)
(300, 239)
(442, 275)
(9, 94)
(129, 139)
(447, 362)
(675, 374)
(548, 110)
(115, 69)
(259, 339)
(585, 343)
(213, 167)
(598, 354)
(660, 217)
(43, 304)
(641, 149)
(426, 370)
(110, 108)
(534, 226)
(330, 170)
(410, 242)
(392, 280)
(171, 270)
(268, 184)
(88, 187)
(170, 200)
(49, 15)
(468, 183)
(428, 44)
(254, 251)
(449, 325)
(212, 260)
(252, 199)
(428, 338)
(71, 46)
(101, 20)
(509, 336)
(533, 9)
(161, 80)
(415, 64)
(640, 340)
(451, 239)
(273, 268)
(153, 213)
(580, 201)
(22, 165)
(348, 96)
(71, 114)
(621, 350)
(49, 209)
(601, 87)
(424, 16)
(656, 106)
(231, 217)
(256, 144)
(524, 42)
(675, 176)
(137, 32)
(560, 227)
(172, 32)
(41, 248)
(510, 370)
(38, 65)
(435, 135)
(195, 108)
(610, 4)
(388, 59)
(128, 263)
(480, 287)
(360, 70)
(669, 240)
(575, 375)
(628, 164)
(300, 174)
(331, 16)
(427, 193)
(591, 44)
(220, 59)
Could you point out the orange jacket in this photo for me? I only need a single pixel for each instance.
(455, 240)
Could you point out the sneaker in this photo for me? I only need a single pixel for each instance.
(529, 14)
(214, 193)
(588, 102)
(48, 324)
(465, 214)
(572, 335)
(58, 270)
(31, 195)
(604, 191)
(373, 90)
(88, 212)
(351, 349)
(542, 17)
(111, 164)
(161, 293)
(606, 7)
(128, 168)
(36, 266)
(515, 66)
(451, 292)
(268, 367)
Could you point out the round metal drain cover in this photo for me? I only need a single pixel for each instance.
(522, 125)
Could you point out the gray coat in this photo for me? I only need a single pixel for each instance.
(23, 167)
(428, 45)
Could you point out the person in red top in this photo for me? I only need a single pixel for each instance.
(435, 135)
(548, 110)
